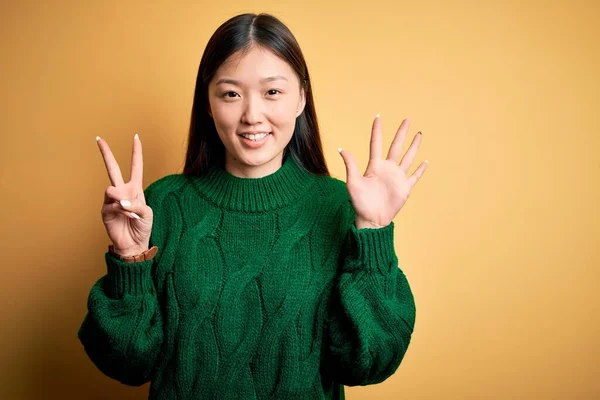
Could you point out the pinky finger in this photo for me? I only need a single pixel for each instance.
(414, 178)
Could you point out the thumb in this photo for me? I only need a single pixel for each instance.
(350, 163)
(138, 207)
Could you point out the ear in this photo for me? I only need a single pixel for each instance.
(302, 102)
(208, 110)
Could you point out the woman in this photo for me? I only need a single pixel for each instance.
(254, 274)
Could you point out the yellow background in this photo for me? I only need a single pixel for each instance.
(499, 239)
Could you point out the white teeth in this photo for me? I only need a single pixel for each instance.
(255, 137)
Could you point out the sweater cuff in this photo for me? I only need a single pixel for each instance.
(371, 250)
(125, 278)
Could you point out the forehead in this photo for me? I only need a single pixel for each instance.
(255, 64)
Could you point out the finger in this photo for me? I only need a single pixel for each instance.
(134, 208)
(375, 147)
(411, 153)
(398, 142)
(135, 204)
(114, 194)
(350, 163)
(137, 207)
(115, 208)
(137, 162)
(414, 178)
(114, 172)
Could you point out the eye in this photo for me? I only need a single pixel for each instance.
(226, 94)
(274, 90)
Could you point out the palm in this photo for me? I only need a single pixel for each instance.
(125, 231)
(378, 195)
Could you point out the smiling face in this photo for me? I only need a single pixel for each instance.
(260, 93)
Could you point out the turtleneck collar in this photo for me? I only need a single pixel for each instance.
(270, 192)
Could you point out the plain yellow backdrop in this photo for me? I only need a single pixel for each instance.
(499, 239)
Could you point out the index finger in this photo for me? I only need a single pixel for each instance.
(137, 162)
(114, 172)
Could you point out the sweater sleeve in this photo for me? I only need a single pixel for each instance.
(372, 310)
(122, 332)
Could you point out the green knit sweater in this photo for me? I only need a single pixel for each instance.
(262, 289)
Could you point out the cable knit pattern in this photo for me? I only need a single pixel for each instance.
(261, 289)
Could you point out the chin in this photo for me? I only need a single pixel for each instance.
(257, 161)
(257, 158)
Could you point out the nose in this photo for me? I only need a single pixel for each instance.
(253, 112)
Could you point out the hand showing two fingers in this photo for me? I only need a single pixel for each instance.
(127, 218)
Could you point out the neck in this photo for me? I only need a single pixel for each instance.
(287, 185)
(241, 170)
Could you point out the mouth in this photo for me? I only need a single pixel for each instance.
(255, 140)
(257, 136)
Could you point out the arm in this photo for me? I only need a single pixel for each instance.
(372, 309)
(122, 331)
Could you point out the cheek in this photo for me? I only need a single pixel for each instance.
(224, 119)
(284, 117)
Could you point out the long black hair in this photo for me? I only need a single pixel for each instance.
(240, 33)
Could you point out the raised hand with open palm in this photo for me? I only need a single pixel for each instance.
(379, 194)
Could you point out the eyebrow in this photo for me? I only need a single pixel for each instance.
(263, 80)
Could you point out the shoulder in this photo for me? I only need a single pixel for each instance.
(333, 188)
(163, 187)
(336, 193)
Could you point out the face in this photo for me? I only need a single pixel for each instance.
(260, 93)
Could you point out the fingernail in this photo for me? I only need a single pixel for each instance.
(134, 215)
(125, 203)
(339, 149)
(419, 133)
(377, 116)
(136, 137)
(97, 138)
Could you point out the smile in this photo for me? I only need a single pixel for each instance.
(255, 140)
(256, 136)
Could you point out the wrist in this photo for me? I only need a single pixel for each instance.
(129, 252)
(363, 224)
(137, 256)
